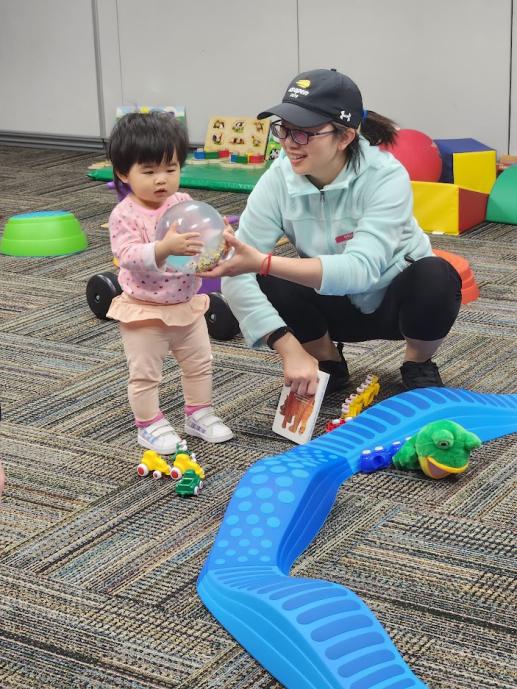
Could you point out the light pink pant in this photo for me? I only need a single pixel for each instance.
(147, 344)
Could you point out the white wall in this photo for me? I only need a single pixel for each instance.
(441, 66)
(109, 68)
(221, 58)
(47, 67)
(513, 122)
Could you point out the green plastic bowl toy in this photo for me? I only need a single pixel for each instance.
(43, 233)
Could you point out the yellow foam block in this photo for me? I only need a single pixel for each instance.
(475, 170)
(436, 206)
(447, 208)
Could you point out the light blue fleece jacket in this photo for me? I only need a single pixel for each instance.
(360, 226)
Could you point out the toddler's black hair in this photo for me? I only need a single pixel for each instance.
(146, 138)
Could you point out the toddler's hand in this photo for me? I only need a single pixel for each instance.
(175, 244)
(186, 244)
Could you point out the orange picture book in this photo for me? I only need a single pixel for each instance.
(296, 415)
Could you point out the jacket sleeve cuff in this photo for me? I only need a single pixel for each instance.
(333, 281)
(255, 335)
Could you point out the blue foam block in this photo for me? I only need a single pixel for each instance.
(449, 146)
(311, 633)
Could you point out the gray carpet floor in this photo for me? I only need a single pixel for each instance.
(98, 567)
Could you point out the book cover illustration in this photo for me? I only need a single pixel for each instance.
(296, 414)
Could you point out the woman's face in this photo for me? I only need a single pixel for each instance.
(323, 157)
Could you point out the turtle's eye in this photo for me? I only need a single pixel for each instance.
(444, 444)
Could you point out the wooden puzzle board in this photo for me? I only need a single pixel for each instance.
(242, 135)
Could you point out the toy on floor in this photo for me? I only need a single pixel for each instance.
(379, 458)
(502, 203)
(183, 461)
(441, 448)
(152, 461)
(189, 484)
(43, 233)
(226, 158)
(469, 287)
(354, 405)
(309, 632)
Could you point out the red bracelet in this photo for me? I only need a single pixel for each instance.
(265, 266)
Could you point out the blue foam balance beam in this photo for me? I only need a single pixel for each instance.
(311, 633)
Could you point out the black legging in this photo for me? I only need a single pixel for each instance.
(421, 303)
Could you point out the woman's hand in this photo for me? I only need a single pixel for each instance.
(175, 244)
(300, 368)
(245, 259)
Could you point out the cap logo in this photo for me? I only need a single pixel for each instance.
(345, 115)
(294, 92)
(303, 83)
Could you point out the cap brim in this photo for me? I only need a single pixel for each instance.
(294, 114)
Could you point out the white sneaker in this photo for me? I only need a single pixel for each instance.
(160, 436)
(204, 424)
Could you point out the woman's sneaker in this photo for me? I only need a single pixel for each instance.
(204, 424)
(160, 436)
(337, 370)
(423, 374)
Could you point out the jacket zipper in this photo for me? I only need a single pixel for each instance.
(326, 228)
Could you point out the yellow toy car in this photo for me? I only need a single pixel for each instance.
(184, 461)
(152, 461)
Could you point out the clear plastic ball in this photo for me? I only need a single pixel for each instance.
(195, 216)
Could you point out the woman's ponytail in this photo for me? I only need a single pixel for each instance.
(378, 129)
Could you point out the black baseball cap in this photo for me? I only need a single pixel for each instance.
(318, 96)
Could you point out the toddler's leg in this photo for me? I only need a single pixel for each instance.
(191, 347)
(146, 345)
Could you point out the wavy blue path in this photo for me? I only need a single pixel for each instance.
(310, 633)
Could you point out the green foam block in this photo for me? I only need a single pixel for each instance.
(502, 202)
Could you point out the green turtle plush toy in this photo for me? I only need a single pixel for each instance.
(441, 448)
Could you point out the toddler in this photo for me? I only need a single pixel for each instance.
(159, 310)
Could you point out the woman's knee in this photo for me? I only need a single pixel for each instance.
(434, 280)
(432, 300)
